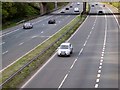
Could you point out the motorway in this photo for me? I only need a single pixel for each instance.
(94, 62)
(17, 42)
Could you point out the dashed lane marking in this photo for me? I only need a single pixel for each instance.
(5, 52)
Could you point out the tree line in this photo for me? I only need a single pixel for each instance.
(15, 10)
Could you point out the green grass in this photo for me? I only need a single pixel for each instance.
(40, 60)
(115, 4)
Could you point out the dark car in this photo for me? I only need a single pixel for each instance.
(67, 8)
(92, 5)
(100, 12)
(96, 4)
(62, 11)
(70, 6)
(52, 21)
(103, 5)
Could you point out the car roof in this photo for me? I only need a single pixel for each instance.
(65, 43)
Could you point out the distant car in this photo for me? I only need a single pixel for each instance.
(71, 6)
(51, 21)
(65, 49)
(100, 12)
(96, 4)
(92, 5)
(78, 3)
(76, 9)
(27, 25)
(67, 8)
(62, 11)
(103, 5)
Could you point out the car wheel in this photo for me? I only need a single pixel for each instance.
(68, 55)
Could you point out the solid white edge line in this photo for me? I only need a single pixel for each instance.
(114, 16)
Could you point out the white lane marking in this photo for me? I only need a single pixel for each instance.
(100, 64)
(90, 32)
(97, 80)
(21, 43)
(41, 20)
(96, 85)
(38, 71)
(5, 52)
(114, 17)
(101, 60)
(45, 36)
(103, 50)
(2, 43)
(85, 43)
(101, 57)
(99, 71)
(98, 75)
(34, 36)
(102, 54)
(73, 64)
(63, 81)
(103, 46)
(100, 67)
(88, 36)
(52, 55)
(80, 51)
(10, 32)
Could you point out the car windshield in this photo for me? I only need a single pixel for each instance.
(64, 47)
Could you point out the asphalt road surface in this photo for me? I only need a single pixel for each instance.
(18, 41)
(94, 62)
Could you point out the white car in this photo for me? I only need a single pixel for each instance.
(65, 49)
(27, 25)
(78, 3)
(76, 9)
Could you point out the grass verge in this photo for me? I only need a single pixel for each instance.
(115, 4)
